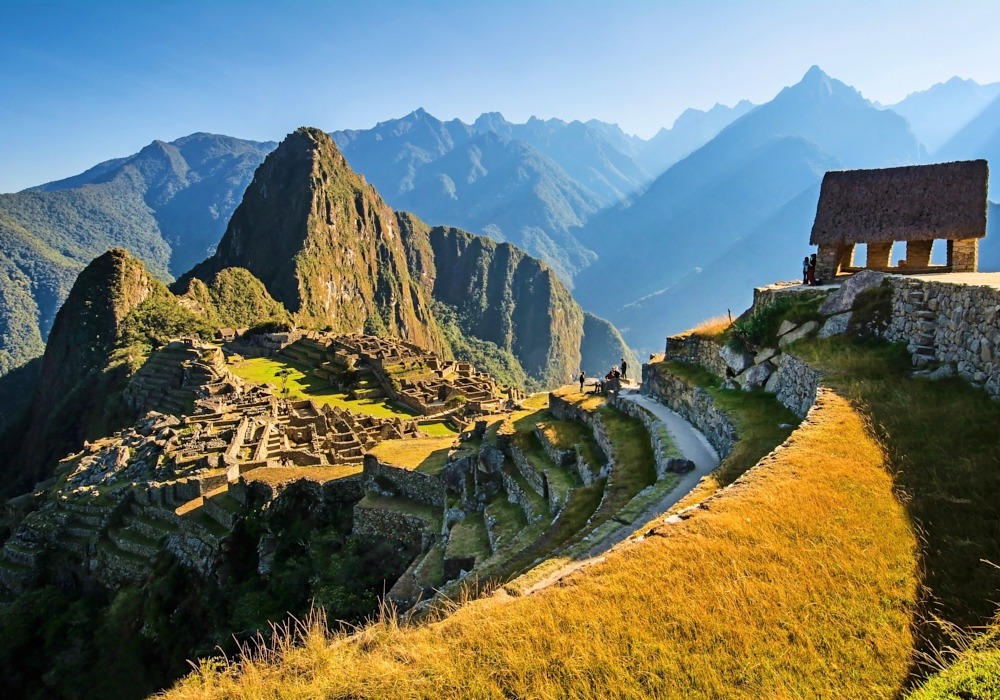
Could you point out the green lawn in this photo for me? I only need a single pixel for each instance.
(301, 384)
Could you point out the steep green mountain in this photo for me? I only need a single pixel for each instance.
(721, 193)
(939, 112)
(115, 314)
(325, 244)
(501, 295)
(167, 204)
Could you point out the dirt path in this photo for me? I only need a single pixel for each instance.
(691, 443)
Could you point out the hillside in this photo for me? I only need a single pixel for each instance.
(167, 204)
(980, 138)
(685, 610)
(115, 314)
(324, 244)
(700, 207)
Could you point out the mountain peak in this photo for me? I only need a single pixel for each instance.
(324, 243)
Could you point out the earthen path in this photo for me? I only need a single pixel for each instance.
(691, 443)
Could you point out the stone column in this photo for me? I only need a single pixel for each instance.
(918, 253)
(827, 258)
(846, 256)
(879, 255)
(963, 255)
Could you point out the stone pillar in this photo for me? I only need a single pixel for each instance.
(879, 255)
(918, 253)
(963, 255)
(827, 258)
(846, 256)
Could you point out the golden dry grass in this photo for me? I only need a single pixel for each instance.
(282, 475)
(798, 581)
(711, 328)
(426, 454)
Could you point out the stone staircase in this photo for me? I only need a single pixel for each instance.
(922, 347)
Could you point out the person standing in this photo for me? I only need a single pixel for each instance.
(805, 270)
(624, 369)
(812, 271)
(583, 376)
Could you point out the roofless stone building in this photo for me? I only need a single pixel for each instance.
(917, 204)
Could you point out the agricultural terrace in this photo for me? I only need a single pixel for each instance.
(798, 581)
(302, 384)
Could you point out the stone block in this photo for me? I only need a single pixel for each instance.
(835, 325)
(843, 299)
(785, 327)
(735, 360)
(799, 333)
(756, 376)
(765, 355)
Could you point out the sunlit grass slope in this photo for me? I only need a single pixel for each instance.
(301, 384)
(797, 581)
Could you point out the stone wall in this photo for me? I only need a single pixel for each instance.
(534, 478)
(965, 325)
(794, 383)
(425, 488)
(382, 523)
(696, 351)
(518, 496)
(694, 404)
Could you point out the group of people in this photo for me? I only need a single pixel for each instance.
(809, 271)
(619, 372)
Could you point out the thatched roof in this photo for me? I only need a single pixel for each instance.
(914, 203)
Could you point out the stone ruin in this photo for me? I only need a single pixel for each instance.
(917, 204)
(402, 372)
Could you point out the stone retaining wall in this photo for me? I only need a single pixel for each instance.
(381, 523)
(534, 478)
(794, 383)
(425, 488)
(696, 351)
(967, 328)
(694, 404)
(563, 458)
(517, 495)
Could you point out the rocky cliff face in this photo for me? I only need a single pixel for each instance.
(325, 244)
(501, 294)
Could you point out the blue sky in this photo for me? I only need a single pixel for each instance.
(82, 82)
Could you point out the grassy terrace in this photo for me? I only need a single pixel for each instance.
(567, 435)
(302, 384)
(799, 582)
(281, 475)
(758, 418)
(468, 538)
(509, 518)
(427, 455)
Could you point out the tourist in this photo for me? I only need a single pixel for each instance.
(583, 376)
(805, 270)
(624, 369)
(811, 276)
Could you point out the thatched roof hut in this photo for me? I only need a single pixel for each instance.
(912, 203)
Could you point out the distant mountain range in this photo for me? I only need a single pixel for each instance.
(168, 204)
(530, 184)
(939, 112)
(650, 233)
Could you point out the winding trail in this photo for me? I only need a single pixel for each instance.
(691, 443)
